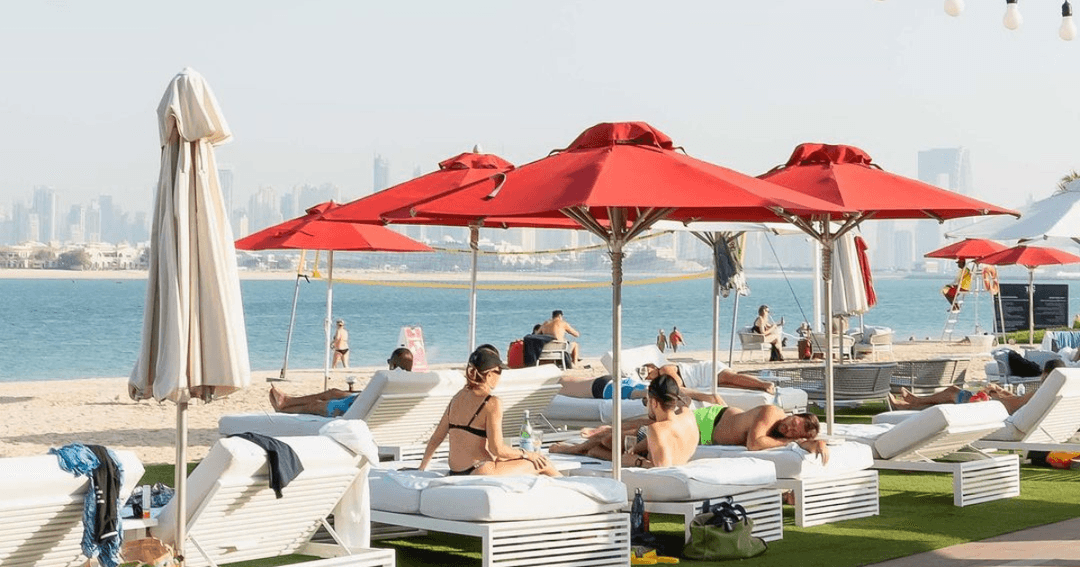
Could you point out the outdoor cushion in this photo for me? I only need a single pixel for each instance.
(41, 477)
(1058, 383)
(889, 440)
(696, 480)
(568, 409)
(792, 462)
(493, 498)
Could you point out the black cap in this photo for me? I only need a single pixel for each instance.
(483, 360)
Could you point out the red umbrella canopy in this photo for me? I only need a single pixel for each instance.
(1030, 257)
(967, 249)
(623, 165)
(313, 232)
(847, 177)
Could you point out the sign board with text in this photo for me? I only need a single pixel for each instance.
(1051, 306)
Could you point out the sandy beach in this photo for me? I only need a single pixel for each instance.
(40, 415)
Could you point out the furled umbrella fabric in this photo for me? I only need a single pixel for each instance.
(616, 180)
(861, 249)
(194, 343)
(193, 338)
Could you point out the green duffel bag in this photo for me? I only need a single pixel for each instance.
(724, 532)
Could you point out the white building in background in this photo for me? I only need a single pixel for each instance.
(264, 209)
(947, 168)
(46, 207)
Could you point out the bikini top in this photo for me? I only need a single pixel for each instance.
(468, 426)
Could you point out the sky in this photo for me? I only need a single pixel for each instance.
(313, 90)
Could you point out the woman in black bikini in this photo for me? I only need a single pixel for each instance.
(473, 420)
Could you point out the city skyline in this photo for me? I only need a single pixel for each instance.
(312, 91)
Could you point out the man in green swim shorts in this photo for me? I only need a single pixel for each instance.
(707, 419)
(762, 427)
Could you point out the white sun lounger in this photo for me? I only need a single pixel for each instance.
(41, 510)
(1047, 421)
(843, 489)
(683, 490)
(941, 431)
(521, 520)
(403, 408)
(233, 514)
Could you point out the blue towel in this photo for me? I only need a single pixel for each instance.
(80, 460)
(1064, 339)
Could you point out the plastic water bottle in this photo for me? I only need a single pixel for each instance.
(527, 440)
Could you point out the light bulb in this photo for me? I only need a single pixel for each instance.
(1067, 31)
(1013, 19)
(954, 7)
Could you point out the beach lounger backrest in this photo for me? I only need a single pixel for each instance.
(940, 430)
(523, 389)
(403, 408)
(41, 510)
(233, 514)
(634, 358)
(1052, 415)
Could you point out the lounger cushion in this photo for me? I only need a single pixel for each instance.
(493, 498)
(890, 440)
(1060, 382)
(697, 480)
(792, 462)
(568, 409)
(634, 358)
(41, 477)
(239, 458)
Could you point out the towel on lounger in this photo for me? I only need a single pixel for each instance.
(600, 490)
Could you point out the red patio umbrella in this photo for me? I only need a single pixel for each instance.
(967, 249)
(846, 177)
(313, 232)
(616, 180)
(1030, 257)
(453, 173)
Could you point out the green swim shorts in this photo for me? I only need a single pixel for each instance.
(707, 418)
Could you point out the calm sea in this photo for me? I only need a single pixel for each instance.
(65, 329)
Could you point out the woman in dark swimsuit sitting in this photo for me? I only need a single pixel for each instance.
(473, 420)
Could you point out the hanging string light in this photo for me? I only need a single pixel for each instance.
(1067, 31)
(1012, 19)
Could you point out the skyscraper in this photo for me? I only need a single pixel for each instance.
(382, 174)
(947, 168)
(47, 211)
(226, 177)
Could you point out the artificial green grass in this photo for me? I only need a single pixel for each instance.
(917, 515)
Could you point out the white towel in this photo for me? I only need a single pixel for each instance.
(604, 491)
(354, 435)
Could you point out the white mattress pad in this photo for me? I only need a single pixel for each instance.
(697, 480)
(493, 498)
(792, 462)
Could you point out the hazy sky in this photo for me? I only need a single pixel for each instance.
(313, 89)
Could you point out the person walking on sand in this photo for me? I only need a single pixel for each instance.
(340, 344)
(675, 338)
(473, 422)
(661, 341)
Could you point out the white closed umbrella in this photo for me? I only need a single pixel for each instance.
(193, 338)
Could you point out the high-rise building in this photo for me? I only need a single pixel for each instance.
(263, 209)
(382, 174)
(904, 250)
(226, 177)
(47, 210)
(76, 224)
(93, 222)
(947, 168)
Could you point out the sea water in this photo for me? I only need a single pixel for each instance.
(64, 329)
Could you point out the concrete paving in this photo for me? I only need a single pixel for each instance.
(1053, 545)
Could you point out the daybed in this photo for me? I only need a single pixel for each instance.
(513, 515)
(843, 489)
(940, 431)
(233, 514)
(41, 510)
(684, 489)
(402, 408)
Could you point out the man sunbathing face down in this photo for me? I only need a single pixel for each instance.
(669, 440)
(332, 402)
(762, 427)
(956, 395)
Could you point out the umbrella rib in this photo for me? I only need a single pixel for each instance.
(586, 220)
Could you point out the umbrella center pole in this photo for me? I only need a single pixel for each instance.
(826, 276)
(474, 245)
(180, 479)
